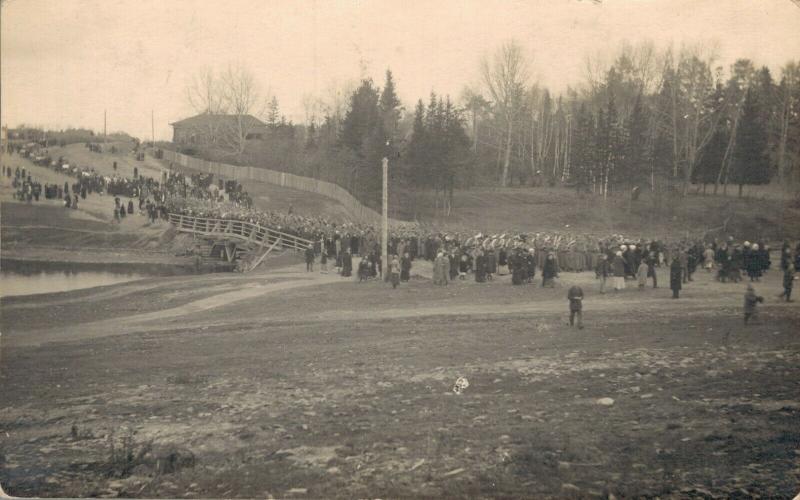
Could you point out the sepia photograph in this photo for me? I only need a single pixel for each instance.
(309, 249)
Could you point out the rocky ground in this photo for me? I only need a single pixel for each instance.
(302, 384)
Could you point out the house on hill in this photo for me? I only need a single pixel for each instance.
(205, 129)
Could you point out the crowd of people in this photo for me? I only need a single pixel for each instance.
(455, 255)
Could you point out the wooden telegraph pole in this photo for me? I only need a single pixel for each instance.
(385, 222)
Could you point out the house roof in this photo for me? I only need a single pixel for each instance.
(206, 119)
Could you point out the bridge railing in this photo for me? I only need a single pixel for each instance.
(240, 230)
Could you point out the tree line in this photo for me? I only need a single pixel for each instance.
(644, 119)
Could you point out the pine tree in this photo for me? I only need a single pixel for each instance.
(417, 147)
(390, 106)
(751, 163)
(311, 137)
(362, 117)
(632, 169)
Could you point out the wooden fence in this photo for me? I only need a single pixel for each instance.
(239, 230)
(356, 209)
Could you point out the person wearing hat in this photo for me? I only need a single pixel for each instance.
(751, 300)
(675, 276)
(575, 297)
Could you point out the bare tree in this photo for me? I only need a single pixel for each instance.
(312, 109)
(205, 95)
(697, 82)
(244, 103)
(505, 76)
(542, 128)
(788, 112)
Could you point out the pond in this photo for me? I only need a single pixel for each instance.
(51, 281)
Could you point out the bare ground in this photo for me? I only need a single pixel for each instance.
(313, 392)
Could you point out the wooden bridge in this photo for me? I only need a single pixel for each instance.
(253, 237)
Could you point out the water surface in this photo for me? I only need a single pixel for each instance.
(50, 281)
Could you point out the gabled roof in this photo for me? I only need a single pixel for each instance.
(206, 119)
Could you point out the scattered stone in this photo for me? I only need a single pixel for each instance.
(570, 487)
(605, 402)
(454, 472)
(461, 384)
(297, 491)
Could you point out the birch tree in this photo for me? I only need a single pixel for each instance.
(505, 76)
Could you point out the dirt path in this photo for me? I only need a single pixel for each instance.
(289, 278)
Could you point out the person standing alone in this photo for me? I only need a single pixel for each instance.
(575, 296)
(310, 258)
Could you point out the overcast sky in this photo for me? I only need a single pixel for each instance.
(64, 62)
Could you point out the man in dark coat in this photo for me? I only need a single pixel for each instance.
(788, 282)
(453, 268)
(491, 264)
(549, 271)
(575, 296)
(519, 270)
(675, 276)
(405, 267)
(309, 258)
(530, 262)
(480, 267)
(347, 264)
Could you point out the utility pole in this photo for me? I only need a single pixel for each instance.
(385, 222)
(153, 129)
(105, 130)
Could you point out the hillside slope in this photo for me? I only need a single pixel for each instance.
(525, 209)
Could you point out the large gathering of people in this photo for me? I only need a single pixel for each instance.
(615, 259)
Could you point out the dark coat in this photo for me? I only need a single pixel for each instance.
(675, 274)
(575, 296)
(549, 270)
(618, 266)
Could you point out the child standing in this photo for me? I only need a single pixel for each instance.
(750, 302)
